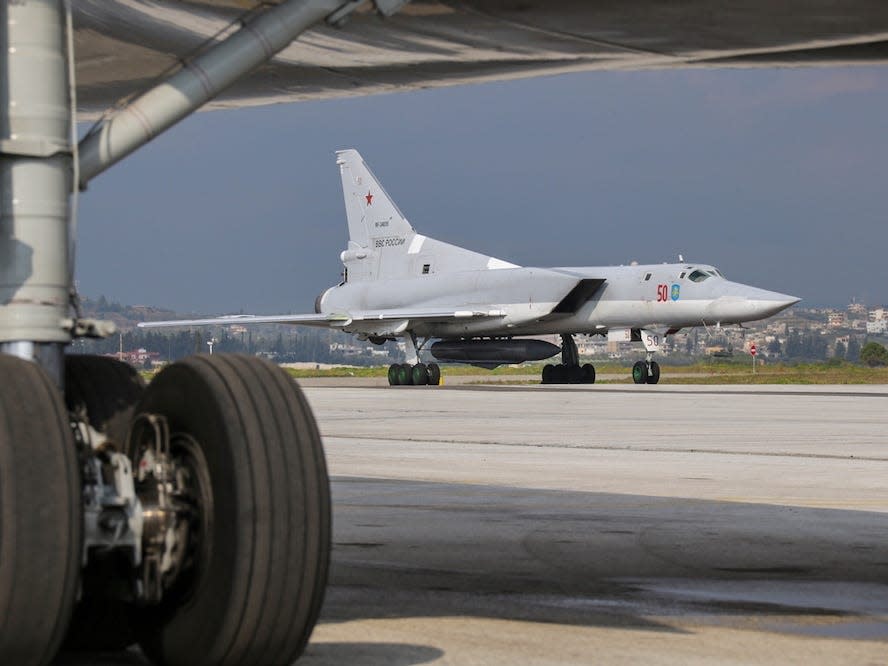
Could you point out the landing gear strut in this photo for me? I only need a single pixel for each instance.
(569, 371)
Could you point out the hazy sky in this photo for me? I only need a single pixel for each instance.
(778, 177)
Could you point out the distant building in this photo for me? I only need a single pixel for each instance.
(857, 309)
(139, 357)
(878, 327)
(835, 319)
(878, 314)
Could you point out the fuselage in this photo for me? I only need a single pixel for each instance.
(669, 296)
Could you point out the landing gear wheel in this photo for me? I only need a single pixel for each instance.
(574, 374)
(588, 374)
(559, 374)
(419, 374)
(639, 372)
(548, 374)
(404, 375)
(40, 515)
(393, 374)
(434, 374)
(654, 375)
(253, 581)
(103, 391)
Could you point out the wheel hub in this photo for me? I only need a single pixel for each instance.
(172, 484)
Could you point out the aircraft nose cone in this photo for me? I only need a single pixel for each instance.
(769, 303)
(743, 303)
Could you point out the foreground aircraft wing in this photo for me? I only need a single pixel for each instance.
(335, 320)
(122, 45)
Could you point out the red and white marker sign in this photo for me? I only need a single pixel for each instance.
(752, 349)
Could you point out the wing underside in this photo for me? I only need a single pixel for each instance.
(122, 45)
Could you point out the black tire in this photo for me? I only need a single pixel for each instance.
(103, 391)
(419, 374)
(559, 374)
(434, 374)
(263, 546)
(40, 515)
(574, 374)
(548, 374)
(639, 372)
(393, 374)
(654, 376)
(588, 374)
(405, 376)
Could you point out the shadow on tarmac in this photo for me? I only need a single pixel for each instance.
(417, 549)
(408, 549)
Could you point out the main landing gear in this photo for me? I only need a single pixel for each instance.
(193, 515)
(413, 373)
(418, 374)
(199, 507)
(569, 371)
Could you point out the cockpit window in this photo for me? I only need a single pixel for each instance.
(698, 276)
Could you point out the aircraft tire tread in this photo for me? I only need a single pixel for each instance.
(40, 515)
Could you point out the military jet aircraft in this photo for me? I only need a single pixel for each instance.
(400, 284)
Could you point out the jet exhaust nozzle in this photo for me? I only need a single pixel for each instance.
(493, 351)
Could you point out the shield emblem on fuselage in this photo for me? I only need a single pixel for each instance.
(676, 291)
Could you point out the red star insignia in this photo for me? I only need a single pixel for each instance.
(369, 198)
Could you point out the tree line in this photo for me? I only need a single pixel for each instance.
(305, 345)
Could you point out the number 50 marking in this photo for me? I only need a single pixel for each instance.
(662, 293)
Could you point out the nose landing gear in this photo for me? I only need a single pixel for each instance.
(646, 372)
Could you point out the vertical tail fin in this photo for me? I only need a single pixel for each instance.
(382, 243)
(370, 210)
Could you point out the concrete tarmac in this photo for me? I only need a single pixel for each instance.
(604, 525)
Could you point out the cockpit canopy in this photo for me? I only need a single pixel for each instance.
(701, 274)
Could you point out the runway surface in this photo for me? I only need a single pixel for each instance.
(604, 525)
(578, 525)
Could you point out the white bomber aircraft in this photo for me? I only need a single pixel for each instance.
(182, 517)
(401, 284)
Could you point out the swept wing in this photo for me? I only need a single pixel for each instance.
(333, 320)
